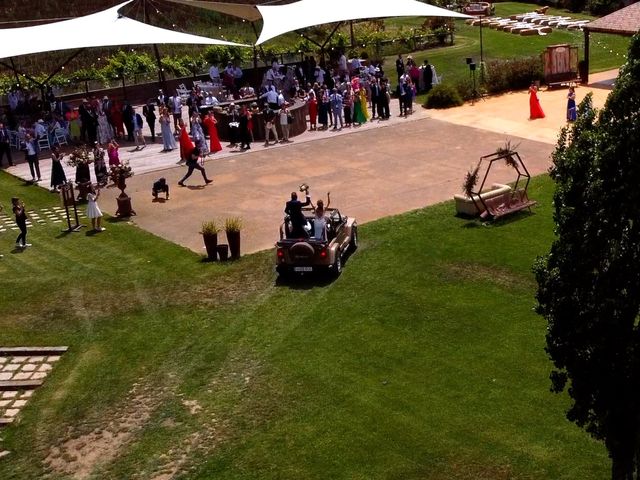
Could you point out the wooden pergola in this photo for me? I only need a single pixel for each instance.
(625, 21)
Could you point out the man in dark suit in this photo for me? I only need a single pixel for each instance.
(149, 113)
(293, 208)
(5, 148)
(427, 75)
(375, 96)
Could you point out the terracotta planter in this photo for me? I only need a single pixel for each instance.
(124, 206)
(234, 244)
(211, 244)
(223, 252)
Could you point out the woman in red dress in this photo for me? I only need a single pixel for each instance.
(209, 123)
(535, 110)
(313, 109)
(186, 144)
(116, 119)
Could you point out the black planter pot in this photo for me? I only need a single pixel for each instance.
(211, 244)
(83, 173)
(223, 252)
(234, 244)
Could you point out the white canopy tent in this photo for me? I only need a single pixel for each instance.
(280, 19)
(101, 29)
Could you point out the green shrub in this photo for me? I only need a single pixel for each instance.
(602, 7)
(443, 96)
(512, 74)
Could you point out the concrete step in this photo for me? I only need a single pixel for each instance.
(32, 351)
(19, 384)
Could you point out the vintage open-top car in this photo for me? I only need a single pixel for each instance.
(309, 255)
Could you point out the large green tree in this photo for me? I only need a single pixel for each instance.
(589, 283)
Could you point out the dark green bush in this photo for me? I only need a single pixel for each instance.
(512, 74)
(602, 7)
(443, 96)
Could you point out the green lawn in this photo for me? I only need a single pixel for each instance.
(607, 51)
(424, 360)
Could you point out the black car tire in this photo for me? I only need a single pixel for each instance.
(353, 244)
(337, 265)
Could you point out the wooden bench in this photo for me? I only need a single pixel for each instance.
(506, 204)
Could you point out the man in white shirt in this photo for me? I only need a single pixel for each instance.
(175, 103)
(13, 99)
(40, 129)
(342, 65)
(271, 96)
(214, 74)
(237, 77)
(273, 74)
(319, 75)
(355, 66)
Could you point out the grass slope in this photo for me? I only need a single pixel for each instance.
(424, 360)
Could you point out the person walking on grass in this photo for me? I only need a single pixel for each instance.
(31, 154)
(21, 221)
(192, 164)
(93, 210)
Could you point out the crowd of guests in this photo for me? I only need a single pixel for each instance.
(340, 93)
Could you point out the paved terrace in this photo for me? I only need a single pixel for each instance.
(372, 171)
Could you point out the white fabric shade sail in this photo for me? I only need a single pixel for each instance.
(101, 29)
(280, 19)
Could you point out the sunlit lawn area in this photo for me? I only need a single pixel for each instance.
(424, 360)
(607, 51)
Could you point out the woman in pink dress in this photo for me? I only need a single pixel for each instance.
(535, 110)
(209, 123)
(112, 153)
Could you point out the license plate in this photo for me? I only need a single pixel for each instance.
(303, 269)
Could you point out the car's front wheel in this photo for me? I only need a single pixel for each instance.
(337, 265)
(353, 244)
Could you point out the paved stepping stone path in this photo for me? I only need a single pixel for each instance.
(44, 216)
(22, 370)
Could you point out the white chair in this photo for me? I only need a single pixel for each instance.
(60, 136)
(183, 91)
(14, 139)
(43, 143)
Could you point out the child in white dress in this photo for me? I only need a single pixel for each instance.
(93, 211)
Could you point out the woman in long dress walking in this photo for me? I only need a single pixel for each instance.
(58, 176)
(198, 134)
(535, 110)
(105, 131)
(168, 140)
(571, 105)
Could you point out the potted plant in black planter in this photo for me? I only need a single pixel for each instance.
(209, 233)
(232, 227)
(119, 175)
(80, 159)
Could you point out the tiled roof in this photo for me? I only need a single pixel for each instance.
(625, 21)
